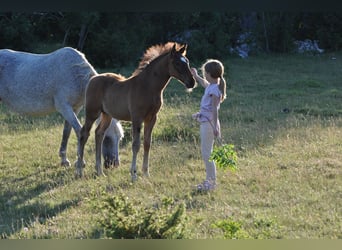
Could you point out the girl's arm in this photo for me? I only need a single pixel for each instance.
(199, 79)
(215, 101)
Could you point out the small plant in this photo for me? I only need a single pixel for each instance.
(231, 229)
(225, 157)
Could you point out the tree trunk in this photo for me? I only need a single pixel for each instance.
(83, 36)
(265, 33)
(66, 35)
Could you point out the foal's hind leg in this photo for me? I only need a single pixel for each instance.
(148, 126)
(136, 129)
(99, 134)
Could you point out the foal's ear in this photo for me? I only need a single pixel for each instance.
(182, 50)
(173, 50)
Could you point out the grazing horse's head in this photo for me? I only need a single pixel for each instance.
(179, 66)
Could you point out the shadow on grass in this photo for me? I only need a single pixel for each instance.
(20, 204)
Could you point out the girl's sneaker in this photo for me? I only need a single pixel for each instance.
(206, 186)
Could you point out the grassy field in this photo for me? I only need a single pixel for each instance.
(284, 116)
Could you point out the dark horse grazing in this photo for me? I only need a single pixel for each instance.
(137, 99)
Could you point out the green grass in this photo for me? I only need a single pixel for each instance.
(284, 116)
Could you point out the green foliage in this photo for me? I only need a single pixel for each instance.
(122, 218)
(16, 31)
(265, 228)
(116, 39)
(225, 157)
(262, 228)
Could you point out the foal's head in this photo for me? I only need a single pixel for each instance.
(179, 66)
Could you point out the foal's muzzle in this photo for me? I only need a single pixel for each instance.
(190, 83)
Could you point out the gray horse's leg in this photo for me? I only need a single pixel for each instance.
(71, 120)
(63, 149)
(136, 128)
(99, 134)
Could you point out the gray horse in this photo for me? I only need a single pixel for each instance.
(39, 84)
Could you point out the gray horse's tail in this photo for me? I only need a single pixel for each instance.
(85, 70)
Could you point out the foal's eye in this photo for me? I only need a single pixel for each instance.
(181, 62)
(184, 60)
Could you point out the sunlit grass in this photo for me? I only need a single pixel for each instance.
(283, 114)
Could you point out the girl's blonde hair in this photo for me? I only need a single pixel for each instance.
(216, 69)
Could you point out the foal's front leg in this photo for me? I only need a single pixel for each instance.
(148, 126)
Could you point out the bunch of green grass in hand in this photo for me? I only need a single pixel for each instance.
(225, 157)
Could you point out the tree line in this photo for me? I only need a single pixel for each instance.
(114, 39)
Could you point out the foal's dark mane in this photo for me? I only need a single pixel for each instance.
(152, 53)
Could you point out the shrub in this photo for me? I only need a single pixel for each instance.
(231, 229)
(126, 220)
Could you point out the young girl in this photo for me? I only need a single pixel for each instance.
(214, 94)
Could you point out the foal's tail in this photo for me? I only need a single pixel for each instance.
(94, 96)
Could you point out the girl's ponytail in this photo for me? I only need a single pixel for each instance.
(222, 87)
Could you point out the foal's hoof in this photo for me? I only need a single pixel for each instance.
(134, 177)
(79, 165)
(78, 173)
(65, 163)
(147, 174)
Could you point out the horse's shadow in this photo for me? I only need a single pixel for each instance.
(21, 207)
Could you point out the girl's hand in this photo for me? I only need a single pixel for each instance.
(194, 72)
(217, 133)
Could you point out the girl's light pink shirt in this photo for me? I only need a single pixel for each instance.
(206, 108)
